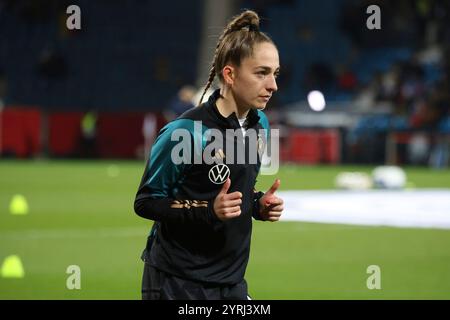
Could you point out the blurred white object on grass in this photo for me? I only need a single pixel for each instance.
(389, 177)
(353, 181)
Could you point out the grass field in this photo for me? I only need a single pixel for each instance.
(81, 213)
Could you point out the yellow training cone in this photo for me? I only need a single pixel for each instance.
(12, 267)
(18, 205)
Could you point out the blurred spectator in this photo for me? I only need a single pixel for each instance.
(440, 154)
(180, 103)
(418, 149)
(366, 97)
(88, 145)
(412, 86)
(346, 79)
(51, 64)
(389, 84)
(421, 117)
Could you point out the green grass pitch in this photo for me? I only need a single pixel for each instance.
(81, 213)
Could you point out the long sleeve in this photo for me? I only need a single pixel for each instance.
(155, 198)
(179, 211)
(256, 205)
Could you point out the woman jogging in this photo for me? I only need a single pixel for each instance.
(199, 190)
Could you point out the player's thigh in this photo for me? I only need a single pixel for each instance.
(237, 291)
(152, 281)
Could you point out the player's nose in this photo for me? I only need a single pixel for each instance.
(271, 85)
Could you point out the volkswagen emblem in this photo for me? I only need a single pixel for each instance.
(219, 173)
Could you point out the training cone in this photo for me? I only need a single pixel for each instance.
(18, 205)
(12, 267)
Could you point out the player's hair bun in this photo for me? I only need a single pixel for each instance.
(247, 20)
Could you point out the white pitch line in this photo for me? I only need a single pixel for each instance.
(403, 208)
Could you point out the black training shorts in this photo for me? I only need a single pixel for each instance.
(158, 285)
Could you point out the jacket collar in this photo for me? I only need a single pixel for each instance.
(230, 122)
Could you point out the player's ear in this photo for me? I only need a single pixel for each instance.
(228, 73)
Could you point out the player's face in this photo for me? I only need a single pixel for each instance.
(255, 80)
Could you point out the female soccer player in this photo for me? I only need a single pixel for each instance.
(199, 245)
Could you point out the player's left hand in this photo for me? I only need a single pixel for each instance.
(271, 206)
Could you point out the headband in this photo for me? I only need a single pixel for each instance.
(251, 27)
(248, 27)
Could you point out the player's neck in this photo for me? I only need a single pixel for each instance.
(226, 104)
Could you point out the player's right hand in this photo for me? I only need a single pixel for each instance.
(227, 205)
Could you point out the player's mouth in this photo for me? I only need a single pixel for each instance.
(265, 98)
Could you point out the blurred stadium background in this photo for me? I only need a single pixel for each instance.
(79, 110)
